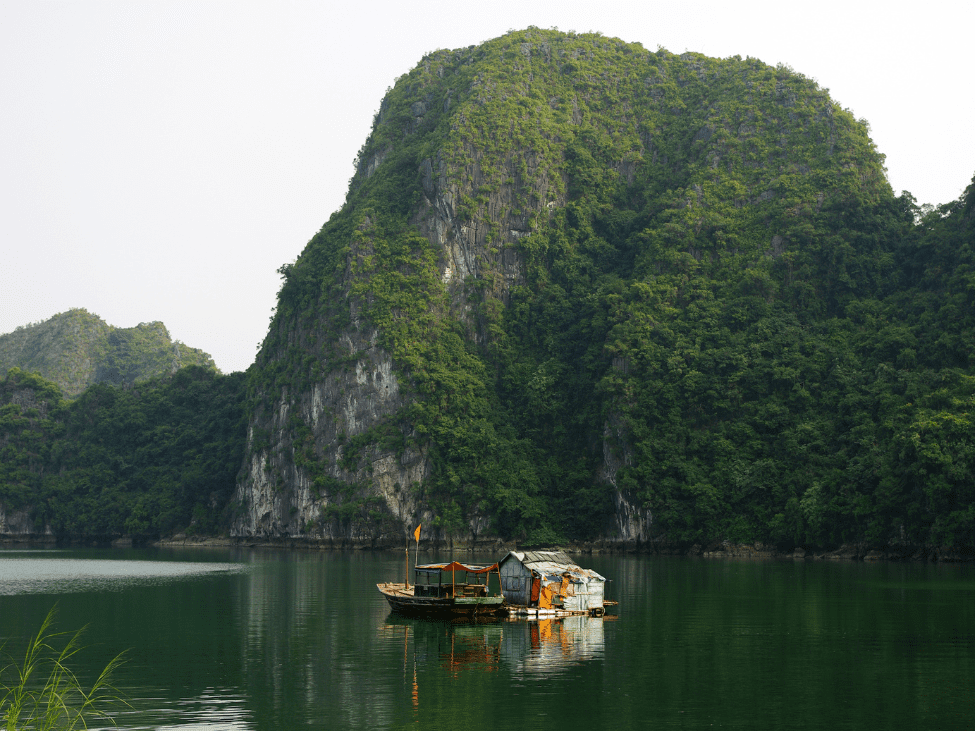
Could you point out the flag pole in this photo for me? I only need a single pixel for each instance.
(416, 555)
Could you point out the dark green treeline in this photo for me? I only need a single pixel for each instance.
(153, 459)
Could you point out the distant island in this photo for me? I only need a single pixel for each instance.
(77, 348)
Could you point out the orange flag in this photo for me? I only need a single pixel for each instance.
(416, 533)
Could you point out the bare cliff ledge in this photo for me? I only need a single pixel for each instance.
(434, 359)
(17, 527)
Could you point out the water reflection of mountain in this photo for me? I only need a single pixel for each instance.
(532, 647)
(305, 619)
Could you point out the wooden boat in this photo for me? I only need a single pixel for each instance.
(436, 591)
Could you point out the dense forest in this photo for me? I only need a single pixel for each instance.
(572, 279)
(151, 459)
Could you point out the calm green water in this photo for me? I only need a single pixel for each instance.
(245, 639)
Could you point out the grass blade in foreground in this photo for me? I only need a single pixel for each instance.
(61, 702)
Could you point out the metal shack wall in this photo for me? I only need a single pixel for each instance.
(516, 582)
(584, 596)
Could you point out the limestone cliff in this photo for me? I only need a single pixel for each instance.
(17, 526)
(458, 346)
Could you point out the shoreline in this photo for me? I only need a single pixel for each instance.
(718, 550)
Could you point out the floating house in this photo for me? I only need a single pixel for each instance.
(543, 582)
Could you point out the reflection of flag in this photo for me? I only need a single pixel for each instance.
(416, 533)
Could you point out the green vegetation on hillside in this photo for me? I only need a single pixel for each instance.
(725, 288)
(144, 461)
(31, 410)
(75, 349)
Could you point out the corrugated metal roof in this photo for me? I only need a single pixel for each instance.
(553, 563)
(548, 557)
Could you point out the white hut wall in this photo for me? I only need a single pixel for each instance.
(583, 596)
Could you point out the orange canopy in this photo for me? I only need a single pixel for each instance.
(457, 566)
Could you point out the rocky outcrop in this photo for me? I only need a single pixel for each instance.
(281, 495)
(484, 242)
(632, 520)
(16, 526)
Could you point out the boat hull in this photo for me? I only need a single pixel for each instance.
(403, 601)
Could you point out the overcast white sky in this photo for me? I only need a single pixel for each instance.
(159, 160)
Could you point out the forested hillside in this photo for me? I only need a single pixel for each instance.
(76, 349)
(579, 291)
(144, 461)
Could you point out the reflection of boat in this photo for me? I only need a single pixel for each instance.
(457, 645)
(533, 647)
(437, 592)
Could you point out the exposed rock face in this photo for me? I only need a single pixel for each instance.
(276, 495)
(16, 525)
(279, 497)
(299, 487)
(633, 521)
(467, 252)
